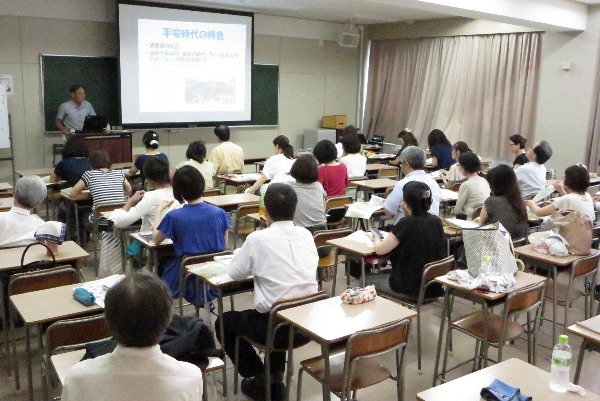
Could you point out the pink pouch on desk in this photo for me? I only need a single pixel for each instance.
(354, 296)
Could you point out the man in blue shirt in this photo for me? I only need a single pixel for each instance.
(72, 114)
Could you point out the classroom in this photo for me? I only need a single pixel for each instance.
(317, 78)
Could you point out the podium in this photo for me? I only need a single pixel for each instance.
(116, 143)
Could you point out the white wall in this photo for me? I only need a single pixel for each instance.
(316, 77)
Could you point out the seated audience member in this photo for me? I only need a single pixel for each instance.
(573, 195)
(151, 144)
(196, 228)
(414, 241)
(283, 259)
(505, 205)
(475, 190)
(310, 211)
(333, 175)
(532, 175)
(406, 139)
(277, 167)
(138, 310)
(74, 162)
(354, 160)
(440, 148)
(454, 173)
(413, 163)
(18, 226)
(196, 157)
(227, 157)
(517, 147)
(349, 130)
(143, 204)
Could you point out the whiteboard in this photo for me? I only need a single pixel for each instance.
(4, 132)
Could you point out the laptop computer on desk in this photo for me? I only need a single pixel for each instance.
(94, 124)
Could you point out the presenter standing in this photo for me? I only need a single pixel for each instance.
(72, 114)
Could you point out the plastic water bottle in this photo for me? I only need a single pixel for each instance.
(561, 365)
(486, 267)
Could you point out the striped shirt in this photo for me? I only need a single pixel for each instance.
(105, 186)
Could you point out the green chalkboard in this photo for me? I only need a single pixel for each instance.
(99, 75)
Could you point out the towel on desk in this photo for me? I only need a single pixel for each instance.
(498, 284)
(500, 391)
(53, 231)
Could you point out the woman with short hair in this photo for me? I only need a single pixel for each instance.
(517, 147)
(310, 210)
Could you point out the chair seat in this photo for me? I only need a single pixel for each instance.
(367, 372)
(327, 260)
(561, 293)
(483, 324)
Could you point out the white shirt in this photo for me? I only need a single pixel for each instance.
(277, 167)
(227, 157)
(392, 202)
(17, 227)
(454, 173)
(340, 150)
(472, 193)
(356, 164)
(531, 177)
(283, 259)
(206, 168)
(145, 209)
(129, 374)
(579, 203)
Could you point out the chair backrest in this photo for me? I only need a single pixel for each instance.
(321, 237)
(585, 266)
(71, 334)
(477, 211)
(435, 269)
(456, 186)
(43, 280)
(207, 257)
(519, 241)
(211, 192)
(106, 207)
(524, 299)
(244, 210)
(337, 202)
(377, 340)
(389, 172)
(290, 303)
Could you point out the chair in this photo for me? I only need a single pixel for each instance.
(330, 260)
(483, 324)
(389, 172)
(584, 268)
(243, 225)
(476, 212)
(596, 236)
(431, 271)
(36, 281)
(70, 335)
(97, 212)
(274, 325)
(184, 273)
(355, 366)
(211, 192)
(352, 185)
(335, 208)
(456, 186)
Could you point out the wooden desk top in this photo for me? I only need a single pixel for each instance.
(355, 247)
(379, 183)
(5, 186)
(83, 196)
(523, 280)
(256, 217)
(42, 172)
(10, 258)
(146, 243)
(331, 320)
(240, 178)
(63, 362)
(121, 166)
(588, 329)
(561, 261)
(450, 231)
(532, 381)
(232, 200)
(378, 166)
(6, 204)
(50, 305)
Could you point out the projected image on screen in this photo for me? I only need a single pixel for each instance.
(182, 66)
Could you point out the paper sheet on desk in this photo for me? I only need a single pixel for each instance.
(544, 193)
(364, 210)
(99, 287)
(448, 195)
(364, 238)
(215, 272)
(461, 223)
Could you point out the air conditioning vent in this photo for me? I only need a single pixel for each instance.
(349, 39)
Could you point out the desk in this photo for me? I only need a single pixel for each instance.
(372, 186)
(259, 221)
(68, 251)
(379, 157)
(6, 204)
(165, 248)
(375, 167)
(591, 339)
(555, 263)
(47, 306)
(259, 166)
(72, 204)
(5, 187)
(63, 362)
(116, 144)
(42, 172)
(531, 380)
(330, 321)
(523, 280)
(231, 202)
(350, 246)
(240, 181)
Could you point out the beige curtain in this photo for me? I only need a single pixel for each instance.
(593, 156)
(479, 89)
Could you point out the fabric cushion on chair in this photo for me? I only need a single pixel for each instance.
(484, 324)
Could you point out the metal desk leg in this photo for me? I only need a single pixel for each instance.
(326, 389)
(445, 307)
(584, 345)
(554, 278)
(29, 368)
(69, 234)
(363, 274)
(222, 336)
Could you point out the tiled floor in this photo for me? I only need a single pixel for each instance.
(414, 381)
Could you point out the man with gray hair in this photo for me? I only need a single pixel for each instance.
(18, 226)
(412, 160)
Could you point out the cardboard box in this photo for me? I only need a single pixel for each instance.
(335, 122)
